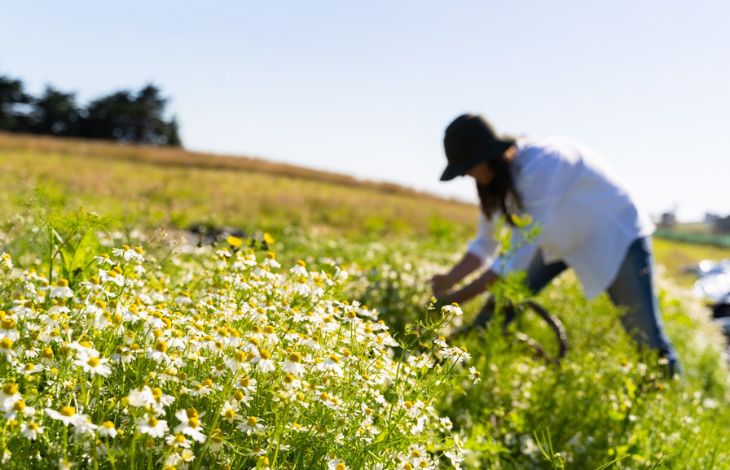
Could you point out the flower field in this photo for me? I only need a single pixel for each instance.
(125, 345)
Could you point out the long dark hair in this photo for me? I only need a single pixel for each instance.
(501, 193)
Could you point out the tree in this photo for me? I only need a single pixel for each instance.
(13, 105)
(123, 116)
(128, 117)
(55, 113)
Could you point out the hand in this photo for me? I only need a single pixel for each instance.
(440, 283)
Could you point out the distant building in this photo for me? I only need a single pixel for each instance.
(668, 220)
(711, 218)
(722, 224)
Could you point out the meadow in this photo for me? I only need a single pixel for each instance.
(311, 341)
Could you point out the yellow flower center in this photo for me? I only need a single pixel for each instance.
(295, 357)
(68, 411)
(93, 361)
(8, 324)
(107, 425)
(252, 420)
(6, 343)
(161, 346)
(10, 388)
(19, 405)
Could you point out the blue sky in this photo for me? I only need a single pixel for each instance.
(367, 88)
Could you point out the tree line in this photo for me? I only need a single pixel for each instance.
(122, 116)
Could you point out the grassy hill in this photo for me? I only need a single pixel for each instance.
(173, 186)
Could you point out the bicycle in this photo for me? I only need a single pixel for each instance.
(552, 345)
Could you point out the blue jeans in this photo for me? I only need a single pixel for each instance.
(632, 290)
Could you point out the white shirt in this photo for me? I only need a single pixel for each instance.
(588, 218)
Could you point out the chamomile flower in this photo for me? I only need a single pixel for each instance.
(61, 290)
(113, 276)
(331, 365)
(129, 254)
(108, 429)
(452, 309)
(152, 426)
(31, 430)
(190, 424)
(474, 375)
(251, 425)
(6, 261)
(67, 415)
(336, 464)
(159, 351)
(270, 261)
(293, 364)
(216, 440)
(20, 409)
(177, 441)
(299, 269)
(264, 362)
(229, 410)
(95, 365)
(9, 396)
(140, 398)
(8, 329)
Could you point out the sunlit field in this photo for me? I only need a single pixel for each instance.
(310, 340)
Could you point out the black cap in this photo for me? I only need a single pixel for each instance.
(468, 141)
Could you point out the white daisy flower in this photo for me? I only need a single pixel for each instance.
(61, 290)
(190, 424)
(67, 415)
(293, 364)
(251, 425)
(107, 429)
(95, 366)
(31, 430)
(140, 398)
(9, 396)
(152, 426)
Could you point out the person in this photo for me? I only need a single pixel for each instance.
(586, 220)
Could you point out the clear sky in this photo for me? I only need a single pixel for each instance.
(367, 88)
